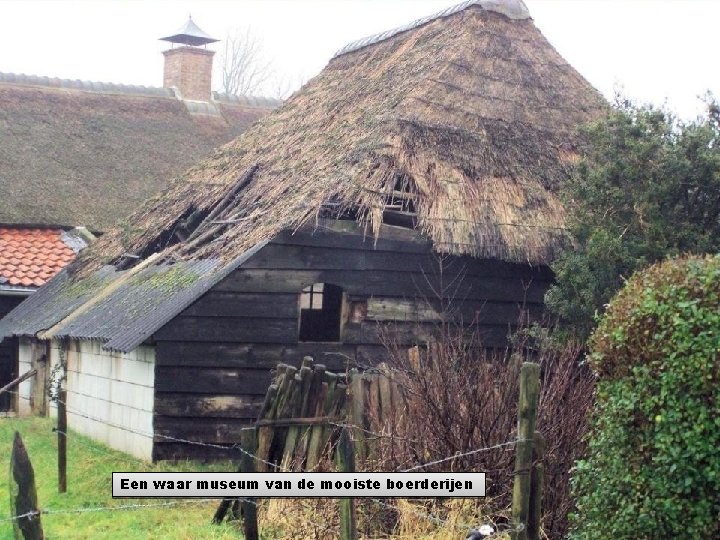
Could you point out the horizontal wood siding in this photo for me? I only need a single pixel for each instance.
(214, 361)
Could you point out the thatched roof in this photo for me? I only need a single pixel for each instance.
(468, 120)
(86, 153)
(463, 125)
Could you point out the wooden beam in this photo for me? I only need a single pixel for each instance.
(25, 376)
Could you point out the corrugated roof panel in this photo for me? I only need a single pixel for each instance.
(53, 302)
(120, 309)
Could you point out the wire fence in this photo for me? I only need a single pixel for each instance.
(118, 508)
(419, 512)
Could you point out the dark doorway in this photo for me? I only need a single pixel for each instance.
(8, 372)
(8, 354)
(320, 312)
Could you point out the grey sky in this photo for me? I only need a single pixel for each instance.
(656, 50)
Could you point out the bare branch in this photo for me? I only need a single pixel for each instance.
(242, 64)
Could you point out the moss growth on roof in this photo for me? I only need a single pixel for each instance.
(168, 279)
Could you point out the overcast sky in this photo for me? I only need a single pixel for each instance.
(660, 51)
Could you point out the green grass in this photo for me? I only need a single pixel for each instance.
(90, 465)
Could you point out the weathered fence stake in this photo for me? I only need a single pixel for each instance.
(357, 411)
(345, 462)
(23, 495)
(527, 412)
(248, 507)
(221, 511)
(537, 479)
(62, 440)
(38, 399)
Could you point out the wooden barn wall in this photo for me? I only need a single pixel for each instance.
(214, 361)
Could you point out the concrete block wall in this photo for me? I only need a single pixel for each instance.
(189, 69)
(115, 389)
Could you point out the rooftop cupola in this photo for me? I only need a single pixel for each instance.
(188, 67)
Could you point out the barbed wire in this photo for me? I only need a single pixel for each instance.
(235, 447)
(463, 454)
(275, 466)
(84, 509)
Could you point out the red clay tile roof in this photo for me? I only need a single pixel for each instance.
(30, 257)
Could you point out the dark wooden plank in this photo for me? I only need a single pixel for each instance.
(209, 430)
(233, 304)
(400, 309)
(382, 309)
(296, 257)
(246, 355)
(348, 234)
(218, 381)
(166, 450)
(472, 312)
(371, 355)
(383, 283)
(291, 257)
(408, 334)
(198, 405)
(227, 329)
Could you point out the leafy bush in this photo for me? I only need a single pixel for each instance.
(646, 189)
(653, 465)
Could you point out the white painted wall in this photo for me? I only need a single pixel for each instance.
(110, 395)
(24, 365)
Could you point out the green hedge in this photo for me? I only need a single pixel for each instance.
(653, 465)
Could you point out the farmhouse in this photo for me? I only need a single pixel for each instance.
(412, 181)
(80, 153)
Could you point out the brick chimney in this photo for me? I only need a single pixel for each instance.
(188, 68)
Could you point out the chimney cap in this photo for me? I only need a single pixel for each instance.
(190, 34)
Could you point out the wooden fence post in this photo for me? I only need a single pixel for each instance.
(62, 438)
(345, 462)
(39, 387)
(248, 507)
(527, 412)
(357, 411)
(23, 495)
(537, 479)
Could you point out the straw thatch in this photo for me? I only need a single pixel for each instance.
(467, 122)
(87, 153)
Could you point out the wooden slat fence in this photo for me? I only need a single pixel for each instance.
(296, 420)
(305, 408)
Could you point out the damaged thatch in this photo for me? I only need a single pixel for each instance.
(466, 124)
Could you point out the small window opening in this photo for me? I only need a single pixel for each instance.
(320, 312)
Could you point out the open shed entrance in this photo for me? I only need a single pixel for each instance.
(320, 312)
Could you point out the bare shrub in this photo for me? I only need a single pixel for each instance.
(460, 396)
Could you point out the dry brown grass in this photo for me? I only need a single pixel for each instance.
(317, 519)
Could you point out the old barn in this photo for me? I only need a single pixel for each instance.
(412, 181)
(76, 156)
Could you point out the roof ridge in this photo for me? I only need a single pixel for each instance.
(85, 85)
(513, 9)
(125, 89)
